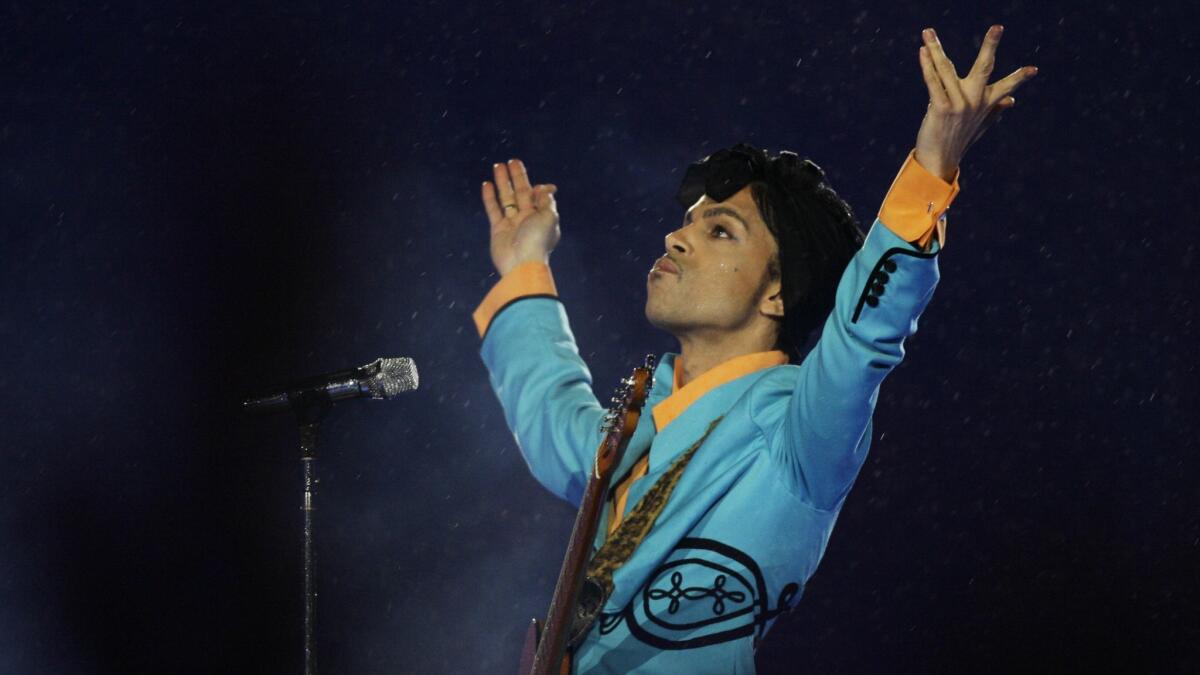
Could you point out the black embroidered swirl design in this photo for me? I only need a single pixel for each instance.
(717, 591)
(741, 605)
(609, 622)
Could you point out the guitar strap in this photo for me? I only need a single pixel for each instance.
(621, 545)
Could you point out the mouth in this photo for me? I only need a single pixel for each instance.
(664, 264)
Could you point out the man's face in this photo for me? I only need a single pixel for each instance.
(714, 277)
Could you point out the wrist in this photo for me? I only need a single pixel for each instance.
(543, 259)
(943, 169)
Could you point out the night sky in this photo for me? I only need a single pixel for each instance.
(203, 200)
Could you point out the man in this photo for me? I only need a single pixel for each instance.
(730, 487)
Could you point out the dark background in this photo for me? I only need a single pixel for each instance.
(200, 200)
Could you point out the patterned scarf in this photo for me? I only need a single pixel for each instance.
(620, 547)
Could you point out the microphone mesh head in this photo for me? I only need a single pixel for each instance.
(396, 376)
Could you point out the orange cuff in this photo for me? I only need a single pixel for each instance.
(530, 278)
(916, 203)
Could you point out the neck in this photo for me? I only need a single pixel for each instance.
(700, 353)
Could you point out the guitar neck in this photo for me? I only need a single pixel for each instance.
(620, 426)
(571, 576)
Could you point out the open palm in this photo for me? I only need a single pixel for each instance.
(524, 218)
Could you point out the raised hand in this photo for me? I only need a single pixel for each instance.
(960, 110)
(524, 218)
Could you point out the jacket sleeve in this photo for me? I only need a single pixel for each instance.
(821, 438)
(543, 385)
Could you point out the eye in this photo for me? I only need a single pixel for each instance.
(720, 232)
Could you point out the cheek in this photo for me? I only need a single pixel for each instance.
(735, 276)
(727, 284)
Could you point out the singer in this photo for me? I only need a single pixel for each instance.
(767, 257)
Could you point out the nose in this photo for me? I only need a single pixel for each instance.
(676, 242)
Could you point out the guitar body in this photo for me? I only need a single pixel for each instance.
(546, 646)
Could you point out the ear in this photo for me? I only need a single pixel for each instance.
(772, 302)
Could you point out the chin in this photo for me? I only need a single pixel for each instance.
(654, 314)
(650, 314)
(659, 318)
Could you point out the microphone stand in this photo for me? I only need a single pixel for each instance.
(311, 400)
(309, 413)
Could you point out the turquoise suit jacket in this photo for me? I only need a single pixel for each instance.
(752, 513)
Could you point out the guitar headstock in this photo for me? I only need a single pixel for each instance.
(622, 417)
(631, 394)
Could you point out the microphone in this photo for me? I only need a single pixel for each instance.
(382, 378)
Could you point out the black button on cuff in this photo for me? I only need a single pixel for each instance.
(877, 289)
(889, 265)
(872, 301)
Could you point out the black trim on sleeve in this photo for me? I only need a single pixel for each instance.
(508, 304)
(876, 278)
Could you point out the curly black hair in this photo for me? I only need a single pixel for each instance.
(816, 231)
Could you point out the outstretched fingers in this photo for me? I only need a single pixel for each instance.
(1004, 88)
(945, 69)
(504, 187)
(937, 93)
(520, 181)
(512, 189)
(986, 60)
(490, 206)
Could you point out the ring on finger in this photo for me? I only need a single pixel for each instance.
(511, 206)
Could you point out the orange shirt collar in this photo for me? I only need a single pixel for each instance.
(681, 397)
